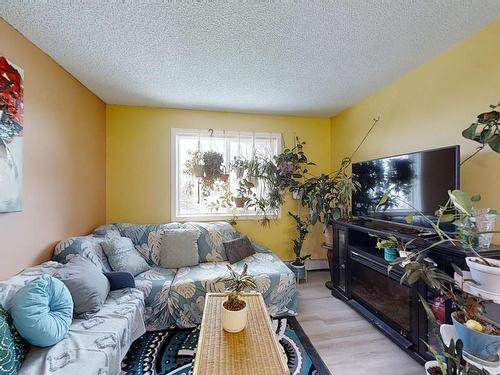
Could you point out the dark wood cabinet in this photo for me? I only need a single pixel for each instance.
(359, 277)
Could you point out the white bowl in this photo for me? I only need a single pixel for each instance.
(487, 277)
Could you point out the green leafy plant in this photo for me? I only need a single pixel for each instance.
(302, 230)
(448, 356)
(212, 163)
(485, 131)
(237, 283)
(239, 165)
(265, 180)
(194, 164)
(416, 265)
(292, 166)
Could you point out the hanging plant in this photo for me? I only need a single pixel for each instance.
(212, 162)
(292, 166)
(194, 164)
(224, 177)
(239, 165)
(254, 168)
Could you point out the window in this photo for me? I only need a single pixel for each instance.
(206, 193)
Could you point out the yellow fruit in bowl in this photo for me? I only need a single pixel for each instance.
(474, 325)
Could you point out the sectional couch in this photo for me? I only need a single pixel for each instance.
(162, 298)
(175, 297)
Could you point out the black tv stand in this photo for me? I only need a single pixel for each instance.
(390, 226)
(359, 277)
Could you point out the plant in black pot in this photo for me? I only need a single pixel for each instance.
(298, 265)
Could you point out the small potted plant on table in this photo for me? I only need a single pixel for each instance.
(234, 309)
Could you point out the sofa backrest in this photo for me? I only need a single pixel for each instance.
(147, 240)
(88, 247)
(212, 235)
(145, 237)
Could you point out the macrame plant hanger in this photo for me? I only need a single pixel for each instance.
(198, 149)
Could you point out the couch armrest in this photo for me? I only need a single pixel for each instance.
(120, 280)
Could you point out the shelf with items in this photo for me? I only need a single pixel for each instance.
(475, 289)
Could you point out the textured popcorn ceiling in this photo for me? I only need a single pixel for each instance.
(287, 57)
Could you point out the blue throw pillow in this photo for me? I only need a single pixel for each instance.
(42, 311)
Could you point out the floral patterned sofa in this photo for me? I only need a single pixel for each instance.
(175, 297)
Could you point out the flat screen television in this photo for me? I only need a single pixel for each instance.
(420, 178)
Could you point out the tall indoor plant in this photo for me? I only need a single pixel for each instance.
(298, 265)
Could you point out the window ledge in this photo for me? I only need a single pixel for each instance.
(248, 217)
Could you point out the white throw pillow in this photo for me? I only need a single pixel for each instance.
(179, 248)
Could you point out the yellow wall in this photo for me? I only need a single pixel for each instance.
(64, 153)
(429, 107)
(138, 164)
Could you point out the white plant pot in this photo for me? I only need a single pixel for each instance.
(234, 321)
(487, 277)
(430, 364)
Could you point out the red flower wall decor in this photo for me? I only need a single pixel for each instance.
(11, 101)
(11, 136)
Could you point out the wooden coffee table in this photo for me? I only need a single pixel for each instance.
(255, 350)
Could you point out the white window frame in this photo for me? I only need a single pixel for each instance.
(176, 170)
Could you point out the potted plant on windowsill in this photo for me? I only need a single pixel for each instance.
(298, 265)
(234, 309)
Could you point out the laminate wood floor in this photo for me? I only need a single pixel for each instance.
(347, 343)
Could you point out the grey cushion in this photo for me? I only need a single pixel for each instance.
(238, 249)
(179, 248)
(123, 256)
(88, 286)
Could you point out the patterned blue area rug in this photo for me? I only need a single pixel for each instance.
(171, 352)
